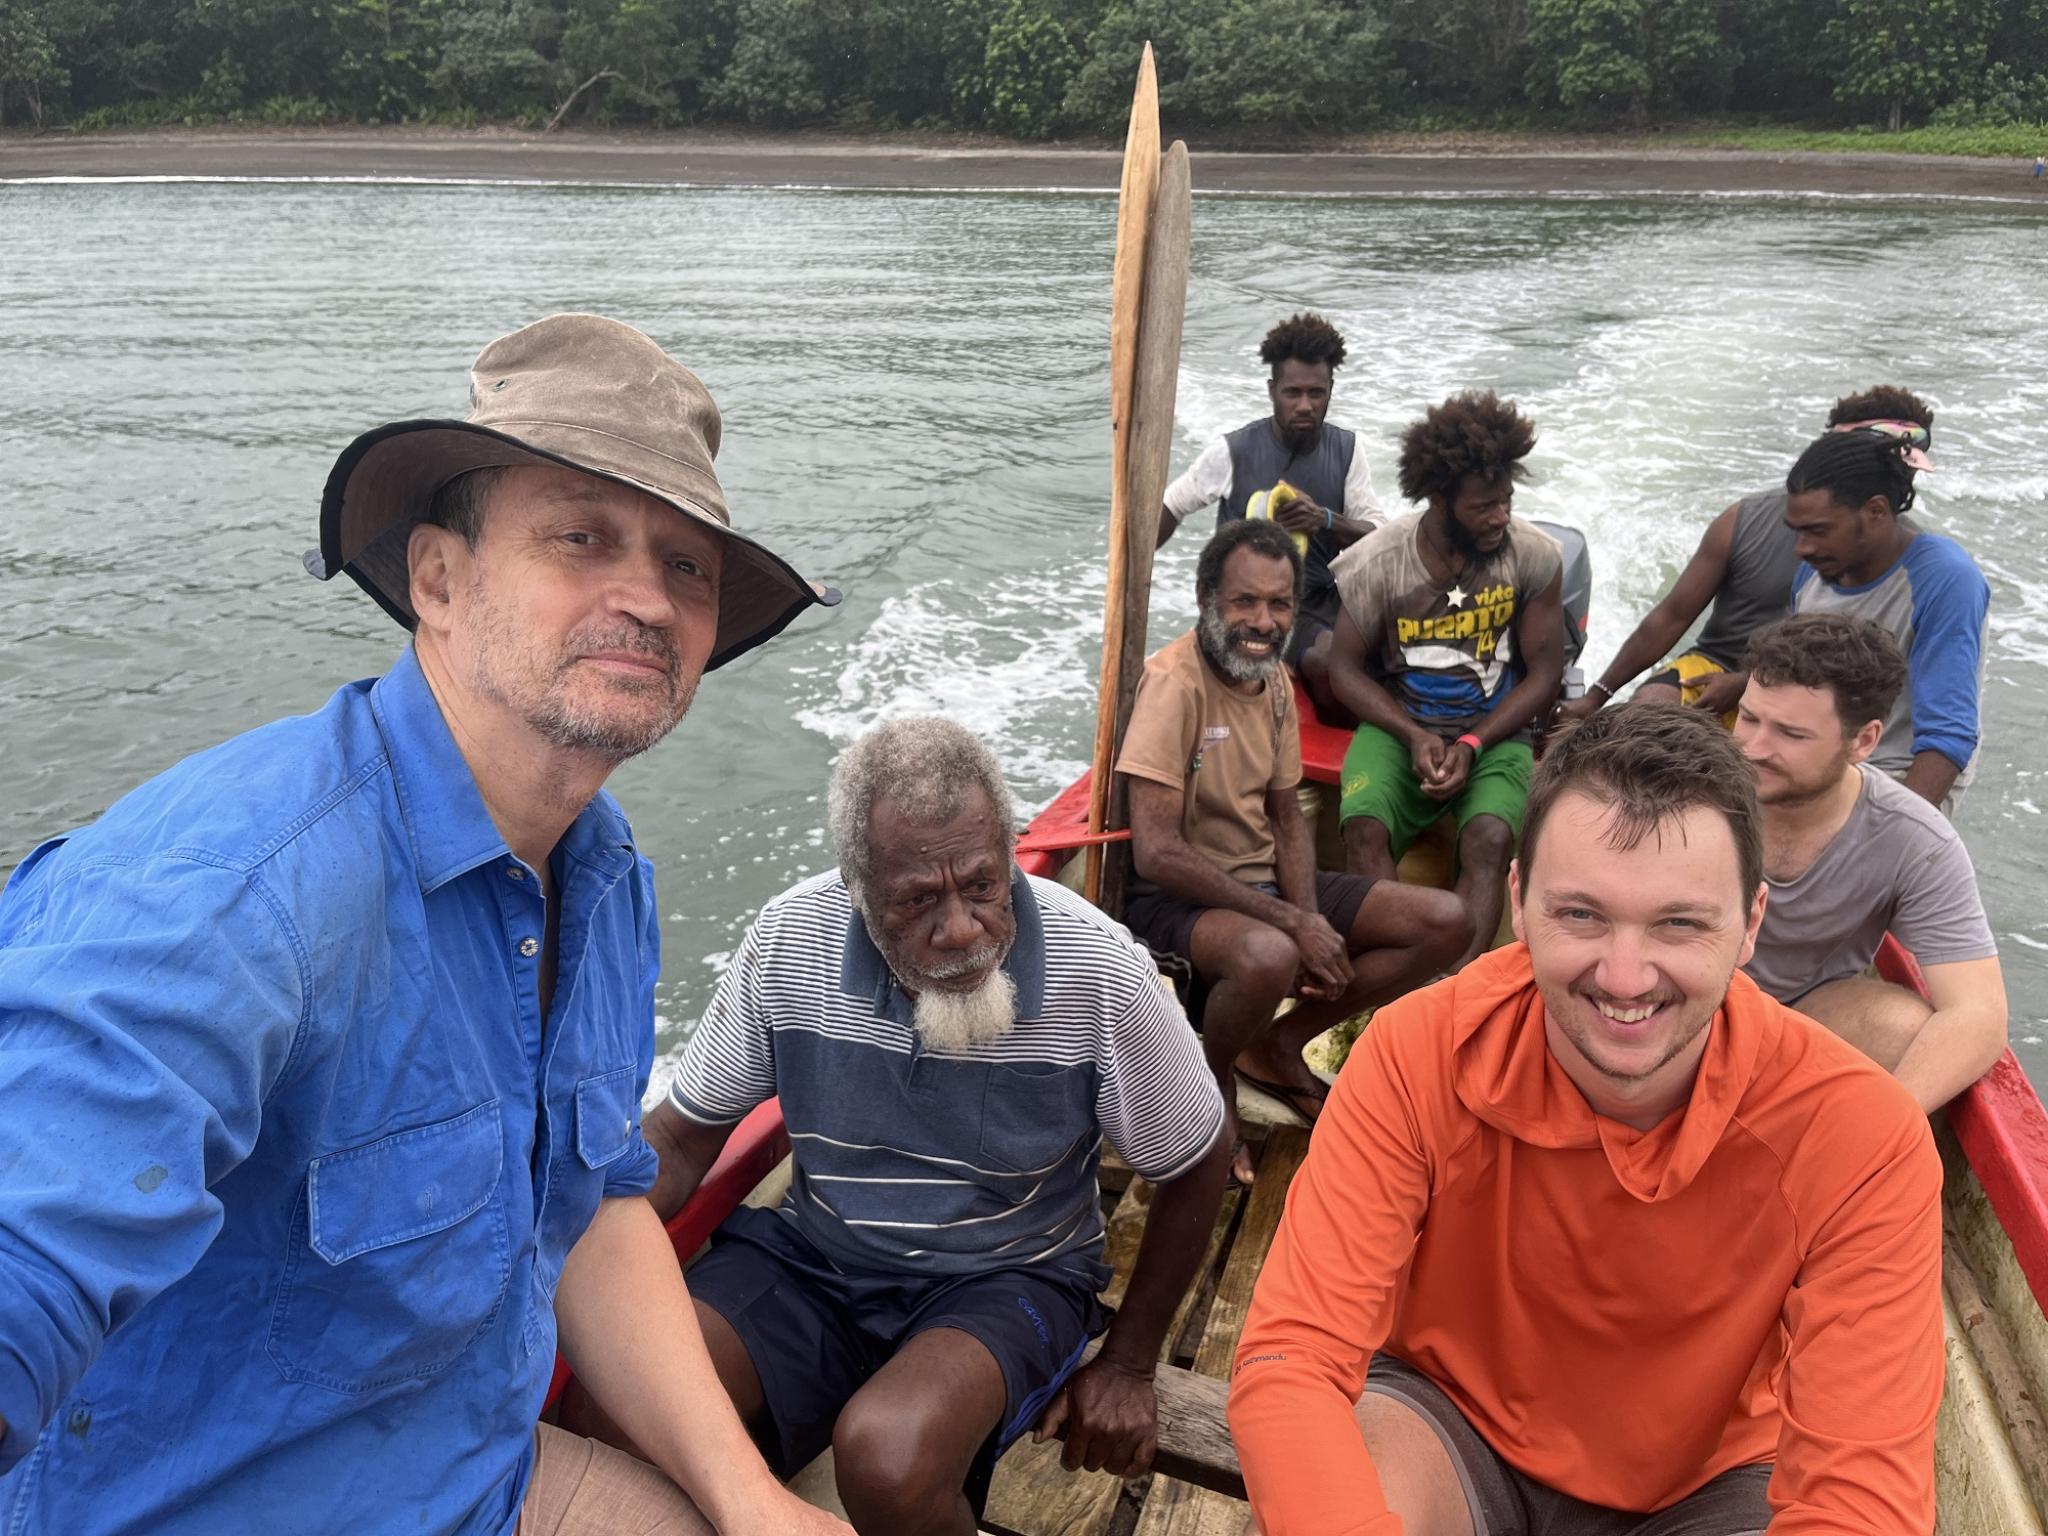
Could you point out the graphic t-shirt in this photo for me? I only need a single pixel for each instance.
(1445, 650)
(1223, 749)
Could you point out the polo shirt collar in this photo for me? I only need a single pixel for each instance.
(863, 973)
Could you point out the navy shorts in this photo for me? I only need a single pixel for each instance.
(1166, 925)
(816, 1333)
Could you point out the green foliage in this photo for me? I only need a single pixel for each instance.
(29, 66)
(1025, 68)
(1633, 57)
(1901, 56)
(1282, 64)
(2000, 99)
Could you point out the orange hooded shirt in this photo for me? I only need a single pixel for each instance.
(1621, 1314)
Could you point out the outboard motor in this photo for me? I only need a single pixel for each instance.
(1578, 599)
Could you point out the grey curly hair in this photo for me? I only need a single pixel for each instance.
(929, 766)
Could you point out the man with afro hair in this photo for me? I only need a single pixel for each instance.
(1448, 651)
(1292, 466)
(1743, 567)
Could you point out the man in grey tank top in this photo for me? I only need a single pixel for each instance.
(1850, 855)
(1328, 502)
(1743, 567)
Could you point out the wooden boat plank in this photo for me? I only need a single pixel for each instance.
(1285, 1148)
(2011, 1400)
(1174, 1508)
(1189, 1508)
(1978, 1488)
(1971, 1222)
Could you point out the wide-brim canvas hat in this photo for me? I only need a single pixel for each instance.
(583, 393)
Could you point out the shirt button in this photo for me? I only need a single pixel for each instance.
(529, 947)
(514, 872)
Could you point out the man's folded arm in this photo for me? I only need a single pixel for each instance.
(1863, 1370)
(1325, 1302)
(146, 1010)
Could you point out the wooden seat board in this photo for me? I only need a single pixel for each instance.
(1175, 1507)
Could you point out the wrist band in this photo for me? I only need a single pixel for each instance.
(1604, 691)
(1329, 520)
(1469, 740)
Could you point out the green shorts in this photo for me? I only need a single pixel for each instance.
(1379, 781)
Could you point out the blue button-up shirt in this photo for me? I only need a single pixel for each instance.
(290, 1158)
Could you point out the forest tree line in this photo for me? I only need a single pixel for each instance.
(1028, 68)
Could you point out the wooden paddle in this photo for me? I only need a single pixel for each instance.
(1135, 201)
(1154, 393)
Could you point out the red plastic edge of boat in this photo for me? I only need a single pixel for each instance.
(2003, 1129)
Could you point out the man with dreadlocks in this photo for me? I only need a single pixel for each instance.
(1291, 466)
(1846, 500)
(1448, 650)
(1743, 567)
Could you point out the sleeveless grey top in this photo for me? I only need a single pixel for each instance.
(1758, 587)
(1259, 461)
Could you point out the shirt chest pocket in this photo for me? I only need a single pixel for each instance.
(605, 1108)
(399, 1256)
(1029, 1120)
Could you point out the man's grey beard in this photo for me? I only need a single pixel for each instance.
(1214, 636)
(509, 667)
(953, 1021)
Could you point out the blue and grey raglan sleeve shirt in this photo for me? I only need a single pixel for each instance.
(1937, 603)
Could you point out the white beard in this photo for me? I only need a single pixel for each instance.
(953, 1021)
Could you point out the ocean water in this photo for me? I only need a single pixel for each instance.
(914, 388)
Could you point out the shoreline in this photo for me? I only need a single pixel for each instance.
(1505, 165)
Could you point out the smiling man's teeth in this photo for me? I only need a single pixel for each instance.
(1626, 1015)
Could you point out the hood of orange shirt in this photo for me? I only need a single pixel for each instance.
(1504, 1073)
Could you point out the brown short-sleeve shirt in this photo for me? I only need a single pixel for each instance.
(1224, 749)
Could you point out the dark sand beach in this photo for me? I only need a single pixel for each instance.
(1389, 166)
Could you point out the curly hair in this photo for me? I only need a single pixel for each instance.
(1473, 433)
(1256, 533)
(930, 766)
(1852, 467)
(1859, 663)
(1302, 338)
(1883, 402)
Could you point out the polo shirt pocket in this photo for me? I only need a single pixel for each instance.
(399, 1256)
(605, 1108)
(1029, 1119)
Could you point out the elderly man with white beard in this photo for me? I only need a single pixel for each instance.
(952, 1040)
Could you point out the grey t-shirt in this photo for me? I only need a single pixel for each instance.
(1896, 864)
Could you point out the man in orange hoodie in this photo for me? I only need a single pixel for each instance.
(1595, 1238)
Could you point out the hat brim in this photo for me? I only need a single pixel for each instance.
(385, 481)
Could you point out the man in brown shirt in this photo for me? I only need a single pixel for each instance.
(1225, 866)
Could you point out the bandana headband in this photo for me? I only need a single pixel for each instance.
(1914, 439)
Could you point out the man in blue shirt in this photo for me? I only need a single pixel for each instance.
(322, 1053)
(1848, 496)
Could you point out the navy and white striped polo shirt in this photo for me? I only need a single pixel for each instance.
(909, 1160)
